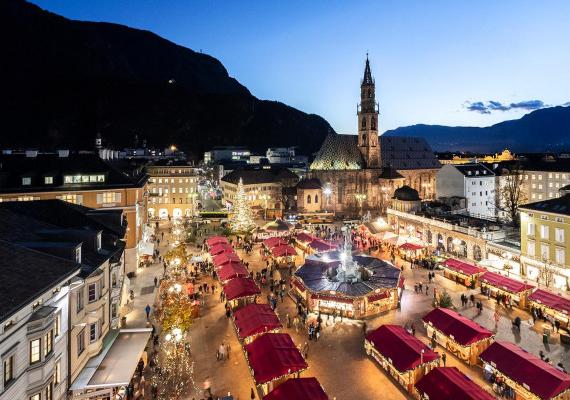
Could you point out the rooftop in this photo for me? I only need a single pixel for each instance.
(560, 205)
(260, 175)
(474, 170)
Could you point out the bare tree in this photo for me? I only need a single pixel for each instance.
(511, 193)
(546, 273)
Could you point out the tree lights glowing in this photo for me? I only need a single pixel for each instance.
(241, 220)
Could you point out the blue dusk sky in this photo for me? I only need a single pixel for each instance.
(436, 62)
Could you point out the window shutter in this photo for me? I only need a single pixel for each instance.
(99, 198)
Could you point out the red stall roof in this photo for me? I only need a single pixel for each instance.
(411, 246)
(272, 356)
(305, 237)
(225, 258)
(240, 287)
(540, 378)
(551, 300)
(255, 318)
(221, 248)
(214, 240)
(446, 383)
(463, 267)
(504, 283)
(379, 296)
(232, 270)
(321, 245)
(400, 346)
(274, 241)
(284, 250)
(463, 330)
(298, 389)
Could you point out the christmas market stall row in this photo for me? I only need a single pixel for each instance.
(448, 383)
(551, 304)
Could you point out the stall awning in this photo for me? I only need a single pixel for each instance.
(283, 251)
(411, 246)
(116, 363)
(456, 326)
(446, 383)
(551, 300)
(273, 356)
(254, 319)
(274, 242)
(298, 389)
(526, 369)
(330, 297)
(232, 270)
(146, 248)
(379, 296)
(221, 248)
(504, 283)
(400, 346)
(225, 258)
(240, 287)
(214, 240)
(463, 267)
(321, 245)
(304, 237)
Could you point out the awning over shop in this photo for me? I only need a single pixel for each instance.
(330, 297)
(116, 363)
(401, 347)
(283, 251)
(379, 296)
(214, 240)
(240, 287)
(232, 270)
(411, 246)
(446, 383)
(273, 356)
(304, 237)
(274, 242)
(551, 300)
(298, 389)
(146, 248)
(463, 267)
(504, 283)
(321, 245)
(254, 319)
(526, 369)
(461, 329)
(225, 258)
(221, 248)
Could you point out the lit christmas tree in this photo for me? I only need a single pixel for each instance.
(241, 220)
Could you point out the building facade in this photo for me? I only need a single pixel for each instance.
(544, 179)
(173, 190)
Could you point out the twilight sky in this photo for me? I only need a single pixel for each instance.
(436, 62)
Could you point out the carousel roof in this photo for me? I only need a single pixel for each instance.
(298, 389)
(502, 282)
(232, 270)
(400, 346)
(254, 319)
(463, 330)
(444, 383)
(551, 300)
(240, 287)
(540, 378)
(316, 270)
(221, 248)
(225, 258)
(214, 240)
(272, 356)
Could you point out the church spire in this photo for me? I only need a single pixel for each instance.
(367, 80)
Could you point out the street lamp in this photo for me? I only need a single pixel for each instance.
(360, 197)
(327, 191)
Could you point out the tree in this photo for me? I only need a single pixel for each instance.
(546, 273)
(445, 300)
(511, 193)
(241, 220)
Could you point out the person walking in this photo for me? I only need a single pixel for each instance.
(155, 281)
(252, 394)
(496, 318)
(444, 358)
(147, 311)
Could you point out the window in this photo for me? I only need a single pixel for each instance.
(108, 197)
(308, 199)
(99, 241)
(114, 310)
(559, 235)
(49, 391)
(78, 254)
(530, 248)
(114, 280)
(57, 373)
(35, 346)
(57, 324)
(539, 177)
(27, 181)
(48, 343)
(560, 256)
(37, 396)
(544, 231)
(80, 300)
(48, 180)
(8, 369)
(71, 198)
(81, 341)
(92, 332)
(530, 229)
(544, 251)
(92, 293)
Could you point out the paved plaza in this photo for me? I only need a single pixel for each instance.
(338, 359)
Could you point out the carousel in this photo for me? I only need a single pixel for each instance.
(350, 285)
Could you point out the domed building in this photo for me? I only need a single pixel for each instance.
(346, 284)
(406, 199)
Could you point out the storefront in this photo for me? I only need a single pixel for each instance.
(510, 291)
(551, 304)
(240, 292)
(462, 272)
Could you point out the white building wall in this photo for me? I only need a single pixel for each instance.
(480, 195)
(449, 182)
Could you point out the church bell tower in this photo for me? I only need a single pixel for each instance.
(368, 141)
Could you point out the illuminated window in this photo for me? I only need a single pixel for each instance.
(26, 181)
(8, 370)
(48, 343)
(35, 346)
(48, 180)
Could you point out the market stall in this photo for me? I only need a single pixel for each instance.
(510, 291)
(254, 320)
(320, 246)
(283, 254)
(214, 240)
(225, 258)
(448, 383)
(220, 249)
(274, 242)
(231, 270)
(551, 304)
(298, 389)
(525, 375)
(462, 272)
(240, 291)
(401, 354)
(273, 358)
(411, 250)
(458, 334)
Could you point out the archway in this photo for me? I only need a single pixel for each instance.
(151, 211)
(177, 213)
(450, 247)
(440, 244)
(462, 250)
(429, 237)
(477, 256)
(163, 213)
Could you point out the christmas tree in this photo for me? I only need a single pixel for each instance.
(241, 220)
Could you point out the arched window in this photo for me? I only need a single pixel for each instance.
(373, 123)
(364, 139)
(316, 198)
(363, 122)
(308, 199)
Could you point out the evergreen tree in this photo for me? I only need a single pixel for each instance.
(241, 220)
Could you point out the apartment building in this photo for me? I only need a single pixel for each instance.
(543, 179)
(173, 189)
(83, 179)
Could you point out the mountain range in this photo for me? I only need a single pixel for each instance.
(66, 80)
(547, 129)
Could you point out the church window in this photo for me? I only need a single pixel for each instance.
(363, 122)
(316, 198)
(308, 199)
(364, 139)
(373, 123)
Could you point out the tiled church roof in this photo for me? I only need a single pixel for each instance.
(340, 152)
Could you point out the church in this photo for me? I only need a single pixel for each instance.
(359, 173)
